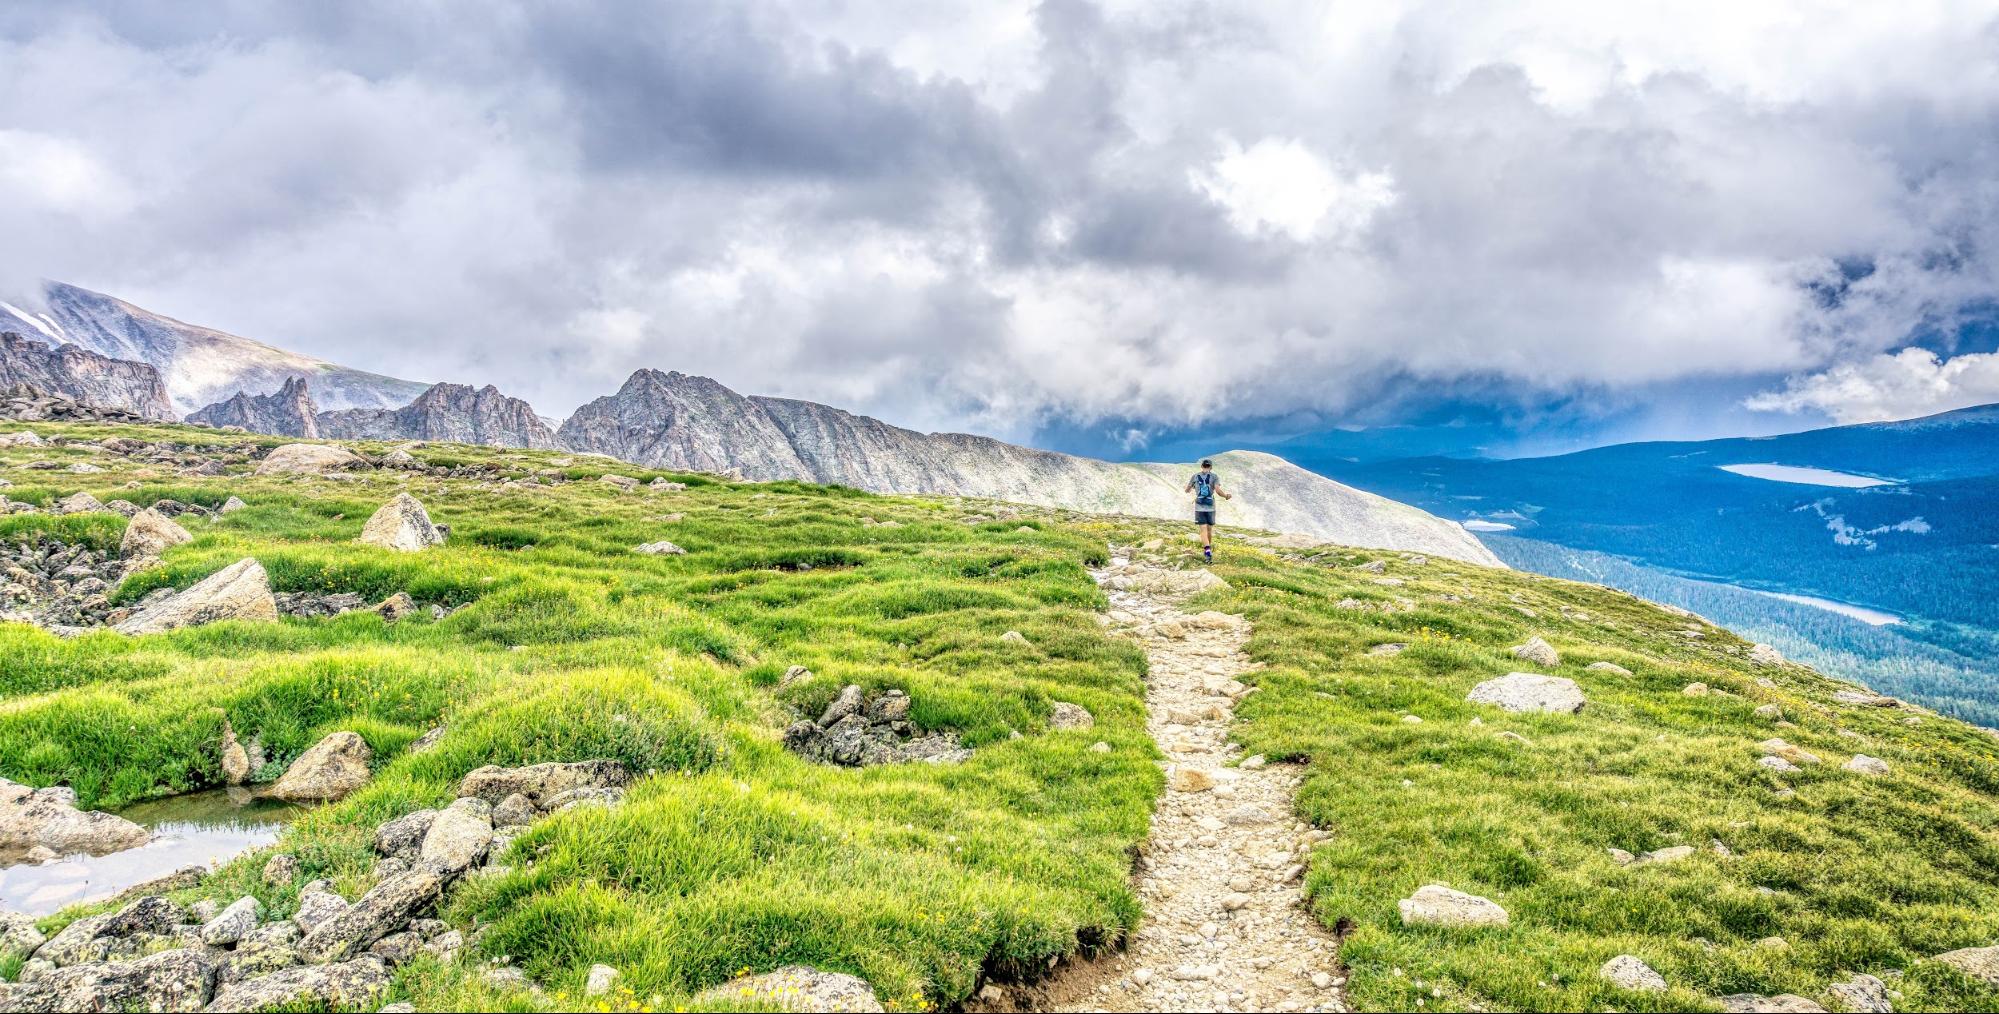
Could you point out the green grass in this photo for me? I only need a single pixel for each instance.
(1856, 874)
(732, 855)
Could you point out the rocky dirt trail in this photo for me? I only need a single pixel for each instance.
(1226, 928)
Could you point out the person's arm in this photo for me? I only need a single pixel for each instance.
(1190, 487)
(1226, 495)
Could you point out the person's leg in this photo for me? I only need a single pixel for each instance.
(1208, 541)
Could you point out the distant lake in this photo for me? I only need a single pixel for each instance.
(1871, 617)
(1807, 476)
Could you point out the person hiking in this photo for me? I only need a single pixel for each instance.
(1206, 485)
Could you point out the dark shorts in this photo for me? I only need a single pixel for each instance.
(1204, 517)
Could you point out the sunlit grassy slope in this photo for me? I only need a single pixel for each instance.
(736, 855)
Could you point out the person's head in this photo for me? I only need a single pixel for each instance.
(1207, 464)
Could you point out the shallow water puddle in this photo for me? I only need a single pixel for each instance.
(197, 829)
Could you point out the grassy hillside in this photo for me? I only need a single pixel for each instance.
(735, 854)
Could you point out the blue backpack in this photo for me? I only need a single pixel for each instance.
(1204, 488)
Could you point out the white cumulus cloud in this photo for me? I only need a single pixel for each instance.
(1912, 382)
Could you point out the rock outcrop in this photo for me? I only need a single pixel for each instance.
(287, 412)
(455, 413)
(67, 377)
(149, 534)
(403, 525)
(672, 420)
(240, 591)
(860, 729)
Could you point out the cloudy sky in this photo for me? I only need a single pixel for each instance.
(1109, 221)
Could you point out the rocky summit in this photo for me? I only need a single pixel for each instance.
(288, 411)
(51, 381)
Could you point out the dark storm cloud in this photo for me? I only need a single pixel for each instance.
(992, 214)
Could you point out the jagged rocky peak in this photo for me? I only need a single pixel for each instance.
(674, 420)
(289, 412)
(82, 376)
(454, 413)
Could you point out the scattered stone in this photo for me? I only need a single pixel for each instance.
(1695, 690)
(18, 935)
(1863, 993)
(1763, 654)
(660, 548)
(1770, 712)
(1522, 691)
(329, 770)
(1191, 780)
(1626, 971)
(1860, 699)
(149, 534)
(1863, 764)
(231, 506)
(796, 988)
(1609, 667)
(624, 483)
(542, 782)
(403, 525)
(1437, 905)
(1669, 854)
(387, 907)
(1782, 1003)
(281, 869)
(458, 837)
(1778, 764)
(1538, 651)
(173, 980)
(601, 980)
(232, 923)
(1065, 715)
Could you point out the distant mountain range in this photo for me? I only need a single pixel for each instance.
(670, 420)
(1901, 518)
(199, 365)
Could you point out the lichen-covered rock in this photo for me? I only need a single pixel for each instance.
(1863, 993)
(1065, 715)
(403, 525)
(329, 770)
(402, 837)
(174, 980)
(660, 548)
(149, 534)
(1863, 764)
(387, 907)
(540, 782)
(1978, 962)
(18, 935)
(349, 984)
(1782, 1003)
(1526, 691)
(240, 591)
(796, 988)
(1437, 905)
(232, 923)
(460, 834)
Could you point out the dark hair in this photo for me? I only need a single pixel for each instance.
(1207, 462)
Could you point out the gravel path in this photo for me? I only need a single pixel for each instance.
(1226, 928)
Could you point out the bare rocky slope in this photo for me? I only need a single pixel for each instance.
(82, 375)
(671, 420)
(199, 365)
(450, 412)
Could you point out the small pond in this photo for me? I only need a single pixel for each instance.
(197, 829)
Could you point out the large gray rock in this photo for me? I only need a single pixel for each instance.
(232, 923)
(310, 459)
(287, 412)
(460, 834)
(402, 524)
(681, 422)
(48, 818)
(1526, 691)
(1627, 971)
(1977, 962)
(175, 980)
(386, 908)
(1863, 993)
(1437, 905)
(240, 591)
(403, 837)
(149, 534)
(347, 985)
(328, 770)
(796, 988)
(542, 782)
